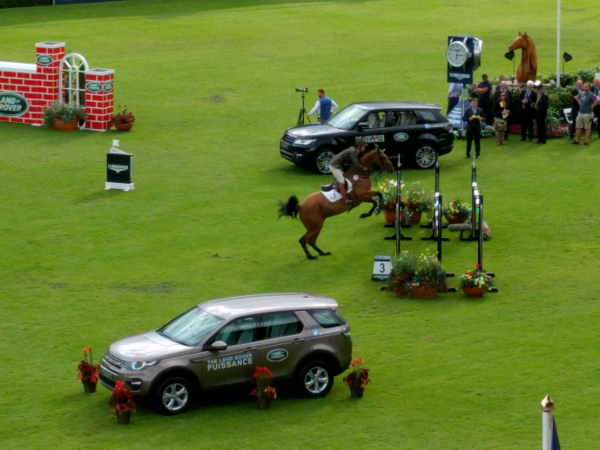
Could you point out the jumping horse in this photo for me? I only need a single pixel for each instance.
(316, 207)
(528, 68)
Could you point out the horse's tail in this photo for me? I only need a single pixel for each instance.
(289, 208)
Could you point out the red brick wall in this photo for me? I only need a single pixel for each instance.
(39, 84)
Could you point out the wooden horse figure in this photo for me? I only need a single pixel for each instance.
(528, 68)
(317, 207)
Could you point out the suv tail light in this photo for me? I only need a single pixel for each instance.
(346, 334)
(448, 128)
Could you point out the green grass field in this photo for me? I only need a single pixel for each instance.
(212, 86)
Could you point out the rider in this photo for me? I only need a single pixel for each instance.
(350, 157)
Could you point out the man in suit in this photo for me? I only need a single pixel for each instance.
(541, 113)
(528, 97)
(473, 117)
(596, 90)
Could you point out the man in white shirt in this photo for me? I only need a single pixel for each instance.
(454, 93)
(324, 107)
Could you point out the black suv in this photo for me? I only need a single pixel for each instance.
(417, 131)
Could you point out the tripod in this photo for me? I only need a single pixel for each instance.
(302, 113)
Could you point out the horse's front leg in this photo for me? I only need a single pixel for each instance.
(368, 197)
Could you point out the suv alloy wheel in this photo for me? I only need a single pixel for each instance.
(426, 156)
(322, 159)
(315, 379)
(173, 396)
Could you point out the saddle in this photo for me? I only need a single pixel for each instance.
(334, 186)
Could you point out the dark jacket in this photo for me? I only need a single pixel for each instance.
(542, 105)
(473, 126)
(346, 158)
(497, 95)
(498, 109)
(529, 108)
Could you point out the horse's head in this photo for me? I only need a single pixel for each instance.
(377, 158)
(521, 41)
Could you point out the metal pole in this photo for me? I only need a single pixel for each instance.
(398, 201)
(558, 45)
(473, 200)
(479, 203)
(547, 422)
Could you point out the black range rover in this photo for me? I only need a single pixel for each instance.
(419, 132)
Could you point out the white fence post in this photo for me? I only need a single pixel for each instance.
(547, 422)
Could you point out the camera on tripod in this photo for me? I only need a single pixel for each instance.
(300, 122)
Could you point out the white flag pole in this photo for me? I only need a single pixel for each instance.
(558, 45)
(547, 423)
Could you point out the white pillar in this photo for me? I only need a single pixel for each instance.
(558, 45)
(547, 422)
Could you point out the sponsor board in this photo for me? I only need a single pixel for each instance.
(93, 86)
(277, 355)
(13, 104)
(373, 139)
(108, 86)
(401, 137)
(44, 60)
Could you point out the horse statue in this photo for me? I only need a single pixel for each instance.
(317, 207)
(528, 68)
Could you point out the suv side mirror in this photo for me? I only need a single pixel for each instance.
(218, 346)
(361, 126)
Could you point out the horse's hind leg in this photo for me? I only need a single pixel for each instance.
(302, 241)
(311, 238)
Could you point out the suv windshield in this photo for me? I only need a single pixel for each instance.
(191, 327)
(347, 117)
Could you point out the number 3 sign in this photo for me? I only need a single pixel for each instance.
(382, 268)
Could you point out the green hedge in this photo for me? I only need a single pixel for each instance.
(18, 3)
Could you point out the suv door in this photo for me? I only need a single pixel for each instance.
(375, 131)
(405, 131)
(281, 346)
(235, 364)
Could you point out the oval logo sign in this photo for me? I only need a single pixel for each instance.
(400, 137)
(13, 104)
(108, 86)
(44, 60)
(93, 86)
(277, 355)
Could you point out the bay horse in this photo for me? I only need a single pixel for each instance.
(316, 207)
(528, 68)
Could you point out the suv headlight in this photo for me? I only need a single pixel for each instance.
(139, 365)
(304, 141)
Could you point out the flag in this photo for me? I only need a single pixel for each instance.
(555, 443)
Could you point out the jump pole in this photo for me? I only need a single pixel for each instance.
(480, 241)
(398, 236)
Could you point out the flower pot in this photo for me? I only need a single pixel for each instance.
(59, 125)
(356, 391)
(401, 291)
(454, 219)
(474, 292)
(264, 402)
(415, 218)
(423, 292)
(121, 126)
(89, 387)
(124, 418)
(389, 216)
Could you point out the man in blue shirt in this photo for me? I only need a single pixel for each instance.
(324, 107)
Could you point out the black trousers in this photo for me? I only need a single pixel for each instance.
(526, 125)
(574, 113)
(541, 127)
(473, 136)
(451, 104)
